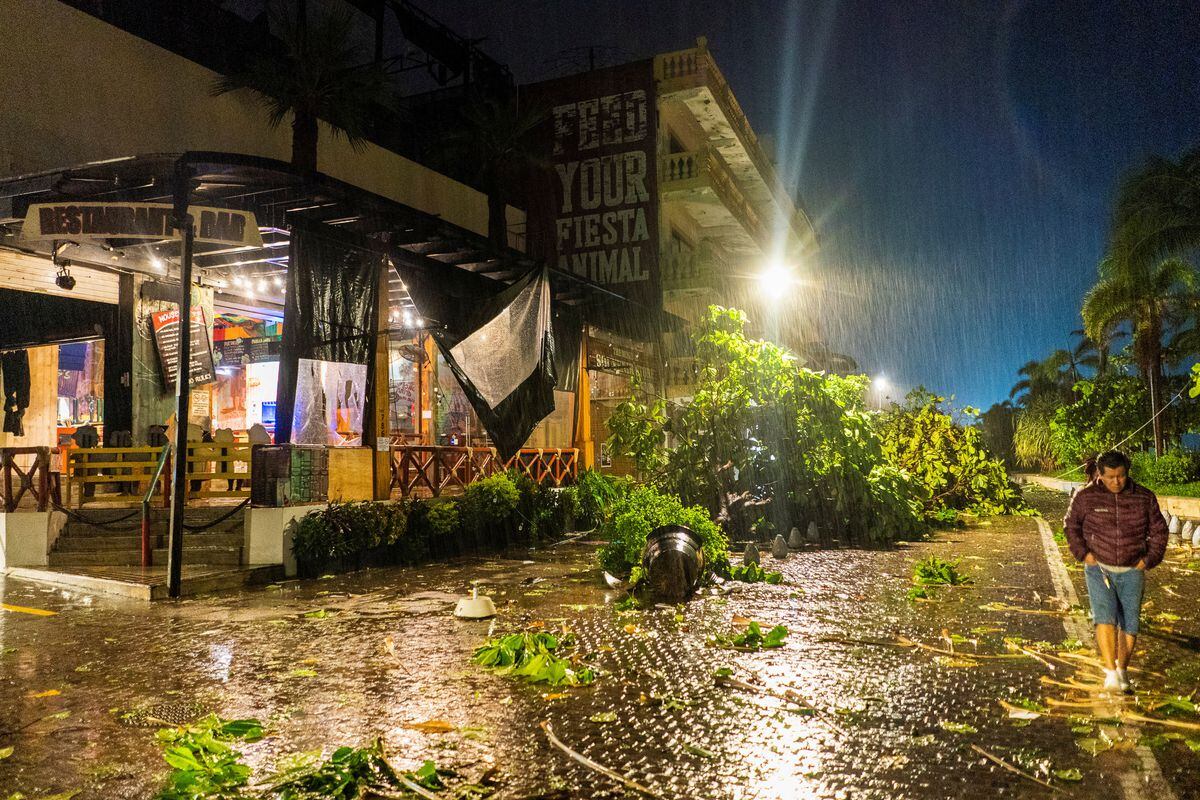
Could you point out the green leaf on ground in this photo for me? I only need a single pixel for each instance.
(1071, 775)
(697, 750)
(5, 752)
(320, 613)
(957, 727)
(603, 716)
(1094, 746)
(303, 673)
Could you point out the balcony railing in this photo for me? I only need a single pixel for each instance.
(435, 470)
(694, 68)
(700, 169)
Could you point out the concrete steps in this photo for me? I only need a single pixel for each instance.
(100, 537)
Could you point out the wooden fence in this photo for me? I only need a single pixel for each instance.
(27, 473)
(428, 469)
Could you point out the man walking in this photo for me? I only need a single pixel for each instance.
(1115, 528)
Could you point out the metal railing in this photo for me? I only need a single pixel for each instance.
(163, 460)
(34, 477)
(419, 469)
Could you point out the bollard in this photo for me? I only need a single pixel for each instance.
(794, 540)
(673, 560)
(779, 548)
(751, 554)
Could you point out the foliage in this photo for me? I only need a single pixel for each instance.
(443, 518)
(997, 429)
(753, 573)
(487, 502)
(1033, 443)
(947, 458)
(348, 773)
(1108, 410)
(641, 511)
(536, 657)
(318, 73)
(1172, 467)
(764, 443)
(753, 638)
(636, 426)
(596, 493)
(341, 530)
(934, 571)
(203, 762)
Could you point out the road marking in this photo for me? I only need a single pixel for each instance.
(1149, 783)
(37, 612)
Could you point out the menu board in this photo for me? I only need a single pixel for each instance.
(166, 338)
(238, 352)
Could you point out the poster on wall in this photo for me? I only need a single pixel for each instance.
(330, 398)
(598, 215)
(166, 340)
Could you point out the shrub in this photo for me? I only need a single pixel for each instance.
(947, 458)
(642, 510)
(442, 519)
(345, 530)
(489, 504)
(596, 494)
(1175, 466)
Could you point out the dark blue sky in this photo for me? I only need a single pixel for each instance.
(958, 157)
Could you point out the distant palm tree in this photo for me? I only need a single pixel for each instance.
(1158, 213)
(492, 144)
(1052, 377)
(317, 74)
(1145, 297)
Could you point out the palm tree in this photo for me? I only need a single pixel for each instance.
(317, 73)
(1145, 297)
(493, 143)
(1052, 377)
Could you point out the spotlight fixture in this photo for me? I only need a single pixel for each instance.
(64, 279)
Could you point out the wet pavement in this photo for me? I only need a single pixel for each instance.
(883, 720)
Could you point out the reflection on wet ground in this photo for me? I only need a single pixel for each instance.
(386, 653)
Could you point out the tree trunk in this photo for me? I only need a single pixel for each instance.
(497, 219)
(1154, 370)
(304, 141)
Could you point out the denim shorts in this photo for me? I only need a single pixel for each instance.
(1116, 596)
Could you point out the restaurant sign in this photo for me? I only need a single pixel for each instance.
(137, 221)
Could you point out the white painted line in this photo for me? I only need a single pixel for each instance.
(1149, 783)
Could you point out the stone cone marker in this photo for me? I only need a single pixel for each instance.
(1196, 537)
(751, 554)
(814, 534)
(1174, 526)
(779, 548)
(794, 540)
(1187, 531)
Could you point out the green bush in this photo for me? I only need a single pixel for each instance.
(947, 458)
(345, 530)
(642, 510)
(442, 519)
(1174, 466)
(489, 503)
(596, 493)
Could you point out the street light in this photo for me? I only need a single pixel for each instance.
(775, 279)
(881, 385)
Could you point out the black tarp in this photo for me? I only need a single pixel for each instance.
(14, 371)
(329, 313)
(31, 319)
(456, 311)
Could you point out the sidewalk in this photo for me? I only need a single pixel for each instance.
(890, 721)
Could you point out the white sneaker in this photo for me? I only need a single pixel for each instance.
(1112, 682)
(1123, 681)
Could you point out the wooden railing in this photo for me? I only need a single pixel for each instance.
(218, 469)
(116, 473)
(27, 472)
(434, 470)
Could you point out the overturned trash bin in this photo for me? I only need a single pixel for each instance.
(674, 563)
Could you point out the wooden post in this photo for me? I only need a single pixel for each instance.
(583, 410)
(382, 458)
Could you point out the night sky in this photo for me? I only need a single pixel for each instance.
(959, 158)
